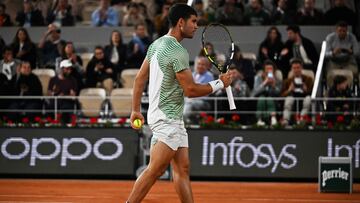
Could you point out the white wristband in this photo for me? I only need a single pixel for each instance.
(216, 85)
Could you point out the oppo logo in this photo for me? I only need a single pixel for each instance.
(60, 149)
(262, 155)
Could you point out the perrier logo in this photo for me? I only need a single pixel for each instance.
(332, 174)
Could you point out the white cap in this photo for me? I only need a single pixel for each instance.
(65, 63)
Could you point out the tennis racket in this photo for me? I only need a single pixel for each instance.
(219, 36)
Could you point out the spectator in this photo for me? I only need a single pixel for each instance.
(267, 84)
(161, 20)
(5, 19)
(239, 86)
(148, 22)
(133, 16)
(9, 65)
(255, 14)
(61, 15)
(138, 46)
(245, 66)
(281, 15)
(29, 17)
(339, 90)
(25, 84)
(115, 52)
(229, 14)
(63, 84)
(99, 71)
(239, 89)
(271, 47)
(2, 46)
(105, 15)
(201, 14)
(23, 48)
(309, 15)
(340, 12)
(342, 49)
(201, 76)
(77, 71)
(5, 90)
(211, 10)
(51, 46)
(298, 46)
(298, 86)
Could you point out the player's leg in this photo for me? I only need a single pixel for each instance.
(160, 157)
(181, 170)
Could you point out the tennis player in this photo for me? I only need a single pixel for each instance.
(166, 66)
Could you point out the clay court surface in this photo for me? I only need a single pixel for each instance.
(56, 191)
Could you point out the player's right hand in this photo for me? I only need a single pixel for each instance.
(226, 79)
(136, 115)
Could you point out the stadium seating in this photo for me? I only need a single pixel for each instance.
(91, 101)
(44, 76)
(121, 99)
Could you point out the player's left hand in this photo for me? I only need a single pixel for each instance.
(136, 115)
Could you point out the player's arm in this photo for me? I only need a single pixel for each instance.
(192, 89)
(139, 83)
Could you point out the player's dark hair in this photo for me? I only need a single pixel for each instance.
(178, 11)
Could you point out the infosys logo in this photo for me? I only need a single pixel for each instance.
(262, 155)
(60, 148)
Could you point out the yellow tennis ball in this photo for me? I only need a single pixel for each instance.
(137, 123)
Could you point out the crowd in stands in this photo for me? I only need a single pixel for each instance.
(284, 67)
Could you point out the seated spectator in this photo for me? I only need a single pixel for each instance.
(211, 10)
(281, 15)
(339, 90)
(63, 84)
(340, 12)
(161, 22)
(2, 46)
(9, 65)
(137, 47)
(201, 14)
(255, 14)
(116, 53)
(298, 86)
(29, 17)
(309, 15)
(99, 71)
(267, 84)
(61, 15)
(25, 84)
(342, 49)
(23, 48)
(51, 46)
(271, 47)
(133, 16)
(239, 89)
(201, 76)
(298, 46)
(77, 70)
(148, 22)
(5, 19)
(229, 14)
(105, 15)
(245, 66)
(5, 90)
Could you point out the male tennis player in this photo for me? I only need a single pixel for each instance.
(166, 66)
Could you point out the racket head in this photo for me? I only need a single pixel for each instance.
(219, 36)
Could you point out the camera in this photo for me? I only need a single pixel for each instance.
(298, 83)
(270, 75)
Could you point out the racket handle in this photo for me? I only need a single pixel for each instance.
(230, 98)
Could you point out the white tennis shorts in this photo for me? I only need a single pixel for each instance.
(170, 132)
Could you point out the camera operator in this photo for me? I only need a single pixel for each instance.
(297, 86)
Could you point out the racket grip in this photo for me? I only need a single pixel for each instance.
(230, 98)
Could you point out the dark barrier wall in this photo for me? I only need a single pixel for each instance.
(213, 153)
(270, 154)
(68, 151)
